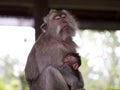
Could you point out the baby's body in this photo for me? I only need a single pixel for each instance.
(70, 72)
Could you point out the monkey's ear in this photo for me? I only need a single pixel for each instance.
(43, 27)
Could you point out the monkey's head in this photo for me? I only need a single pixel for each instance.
(60, 24)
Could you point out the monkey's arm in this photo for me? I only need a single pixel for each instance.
(31, 69)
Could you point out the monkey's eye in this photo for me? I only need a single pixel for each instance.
(57, 17)
(63, 15)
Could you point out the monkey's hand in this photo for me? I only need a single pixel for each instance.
(75, 66)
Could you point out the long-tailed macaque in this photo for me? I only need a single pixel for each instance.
(46, 56)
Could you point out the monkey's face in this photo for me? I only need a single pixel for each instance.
(60, 23)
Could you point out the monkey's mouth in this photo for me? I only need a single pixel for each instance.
(65, 26)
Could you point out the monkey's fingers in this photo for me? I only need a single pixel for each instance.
(75, 66)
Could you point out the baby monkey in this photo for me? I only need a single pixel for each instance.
(70, 72)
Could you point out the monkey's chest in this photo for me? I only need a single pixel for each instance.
(57, 51)
(62, 47)
(69, 46)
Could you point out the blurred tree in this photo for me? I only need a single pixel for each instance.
(100, 61)
(2, 85)
(24, 85)
(12, 79)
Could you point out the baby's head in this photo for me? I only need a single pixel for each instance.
(72, 58)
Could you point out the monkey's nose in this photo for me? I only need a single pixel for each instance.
(64, 21)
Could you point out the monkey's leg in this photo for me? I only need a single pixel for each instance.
(52, 79)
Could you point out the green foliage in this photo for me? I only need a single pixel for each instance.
(113, 88)
(23, 82)
(100, 59)
(15, 84)
(9, 81)
(2, 85)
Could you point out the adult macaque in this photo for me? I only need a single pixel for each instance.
(46, 56)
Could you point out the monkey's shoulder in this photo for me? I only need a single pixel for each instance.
(47, 41)
(42, 39)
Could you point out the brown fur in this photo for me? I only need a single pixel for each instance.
(48, 51)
